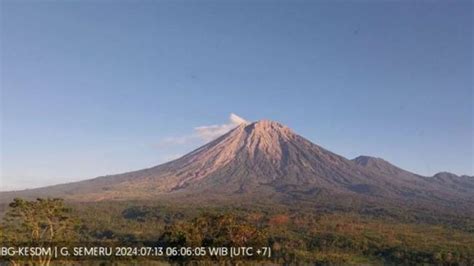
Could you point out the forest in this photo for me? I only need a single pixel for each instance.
(370, 235)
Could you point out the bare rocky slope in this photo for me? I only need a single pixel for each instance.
(266, 160)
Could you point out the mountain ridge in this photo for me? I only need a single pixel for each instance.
(265, 159)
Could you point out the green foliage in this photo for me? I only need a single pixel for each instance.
(211, 230)
(296, 235)
(38, 223)
(299, 235)
(43, 220)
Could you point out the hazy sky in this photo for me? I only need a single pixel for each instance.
(100, 87)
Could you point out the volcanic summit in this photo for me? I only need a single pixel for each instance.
(264, 158)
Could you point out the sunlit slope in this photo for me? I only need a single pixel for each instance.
(267, 160)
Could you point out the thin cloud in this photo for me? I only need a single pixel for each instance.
(205, 133)
(211, 132)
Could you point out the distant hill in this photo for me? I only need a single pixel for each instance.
(267, 161)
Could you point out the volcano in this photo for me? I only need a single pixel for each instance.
(266, 160)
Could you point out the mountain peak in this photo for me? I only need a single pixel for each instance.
(265, 127)
(265, 158)
(368, 160)
(378, 164)
(267, 122)
(264, 137)
(445, 176)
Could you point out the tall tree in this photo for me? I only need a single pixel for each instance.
(41, 223)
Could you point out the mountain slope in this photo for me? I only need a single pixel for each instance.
(264, 159)
(382, 166)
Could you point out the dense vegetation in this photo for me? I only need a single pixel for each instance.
(295, 235)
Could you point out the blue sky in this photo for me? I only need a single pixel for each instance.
(100, 87)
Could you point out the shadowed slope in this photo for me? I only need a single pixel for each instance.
(261, 159)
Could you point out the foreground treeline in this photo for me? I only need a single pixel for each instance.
(294, 235)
